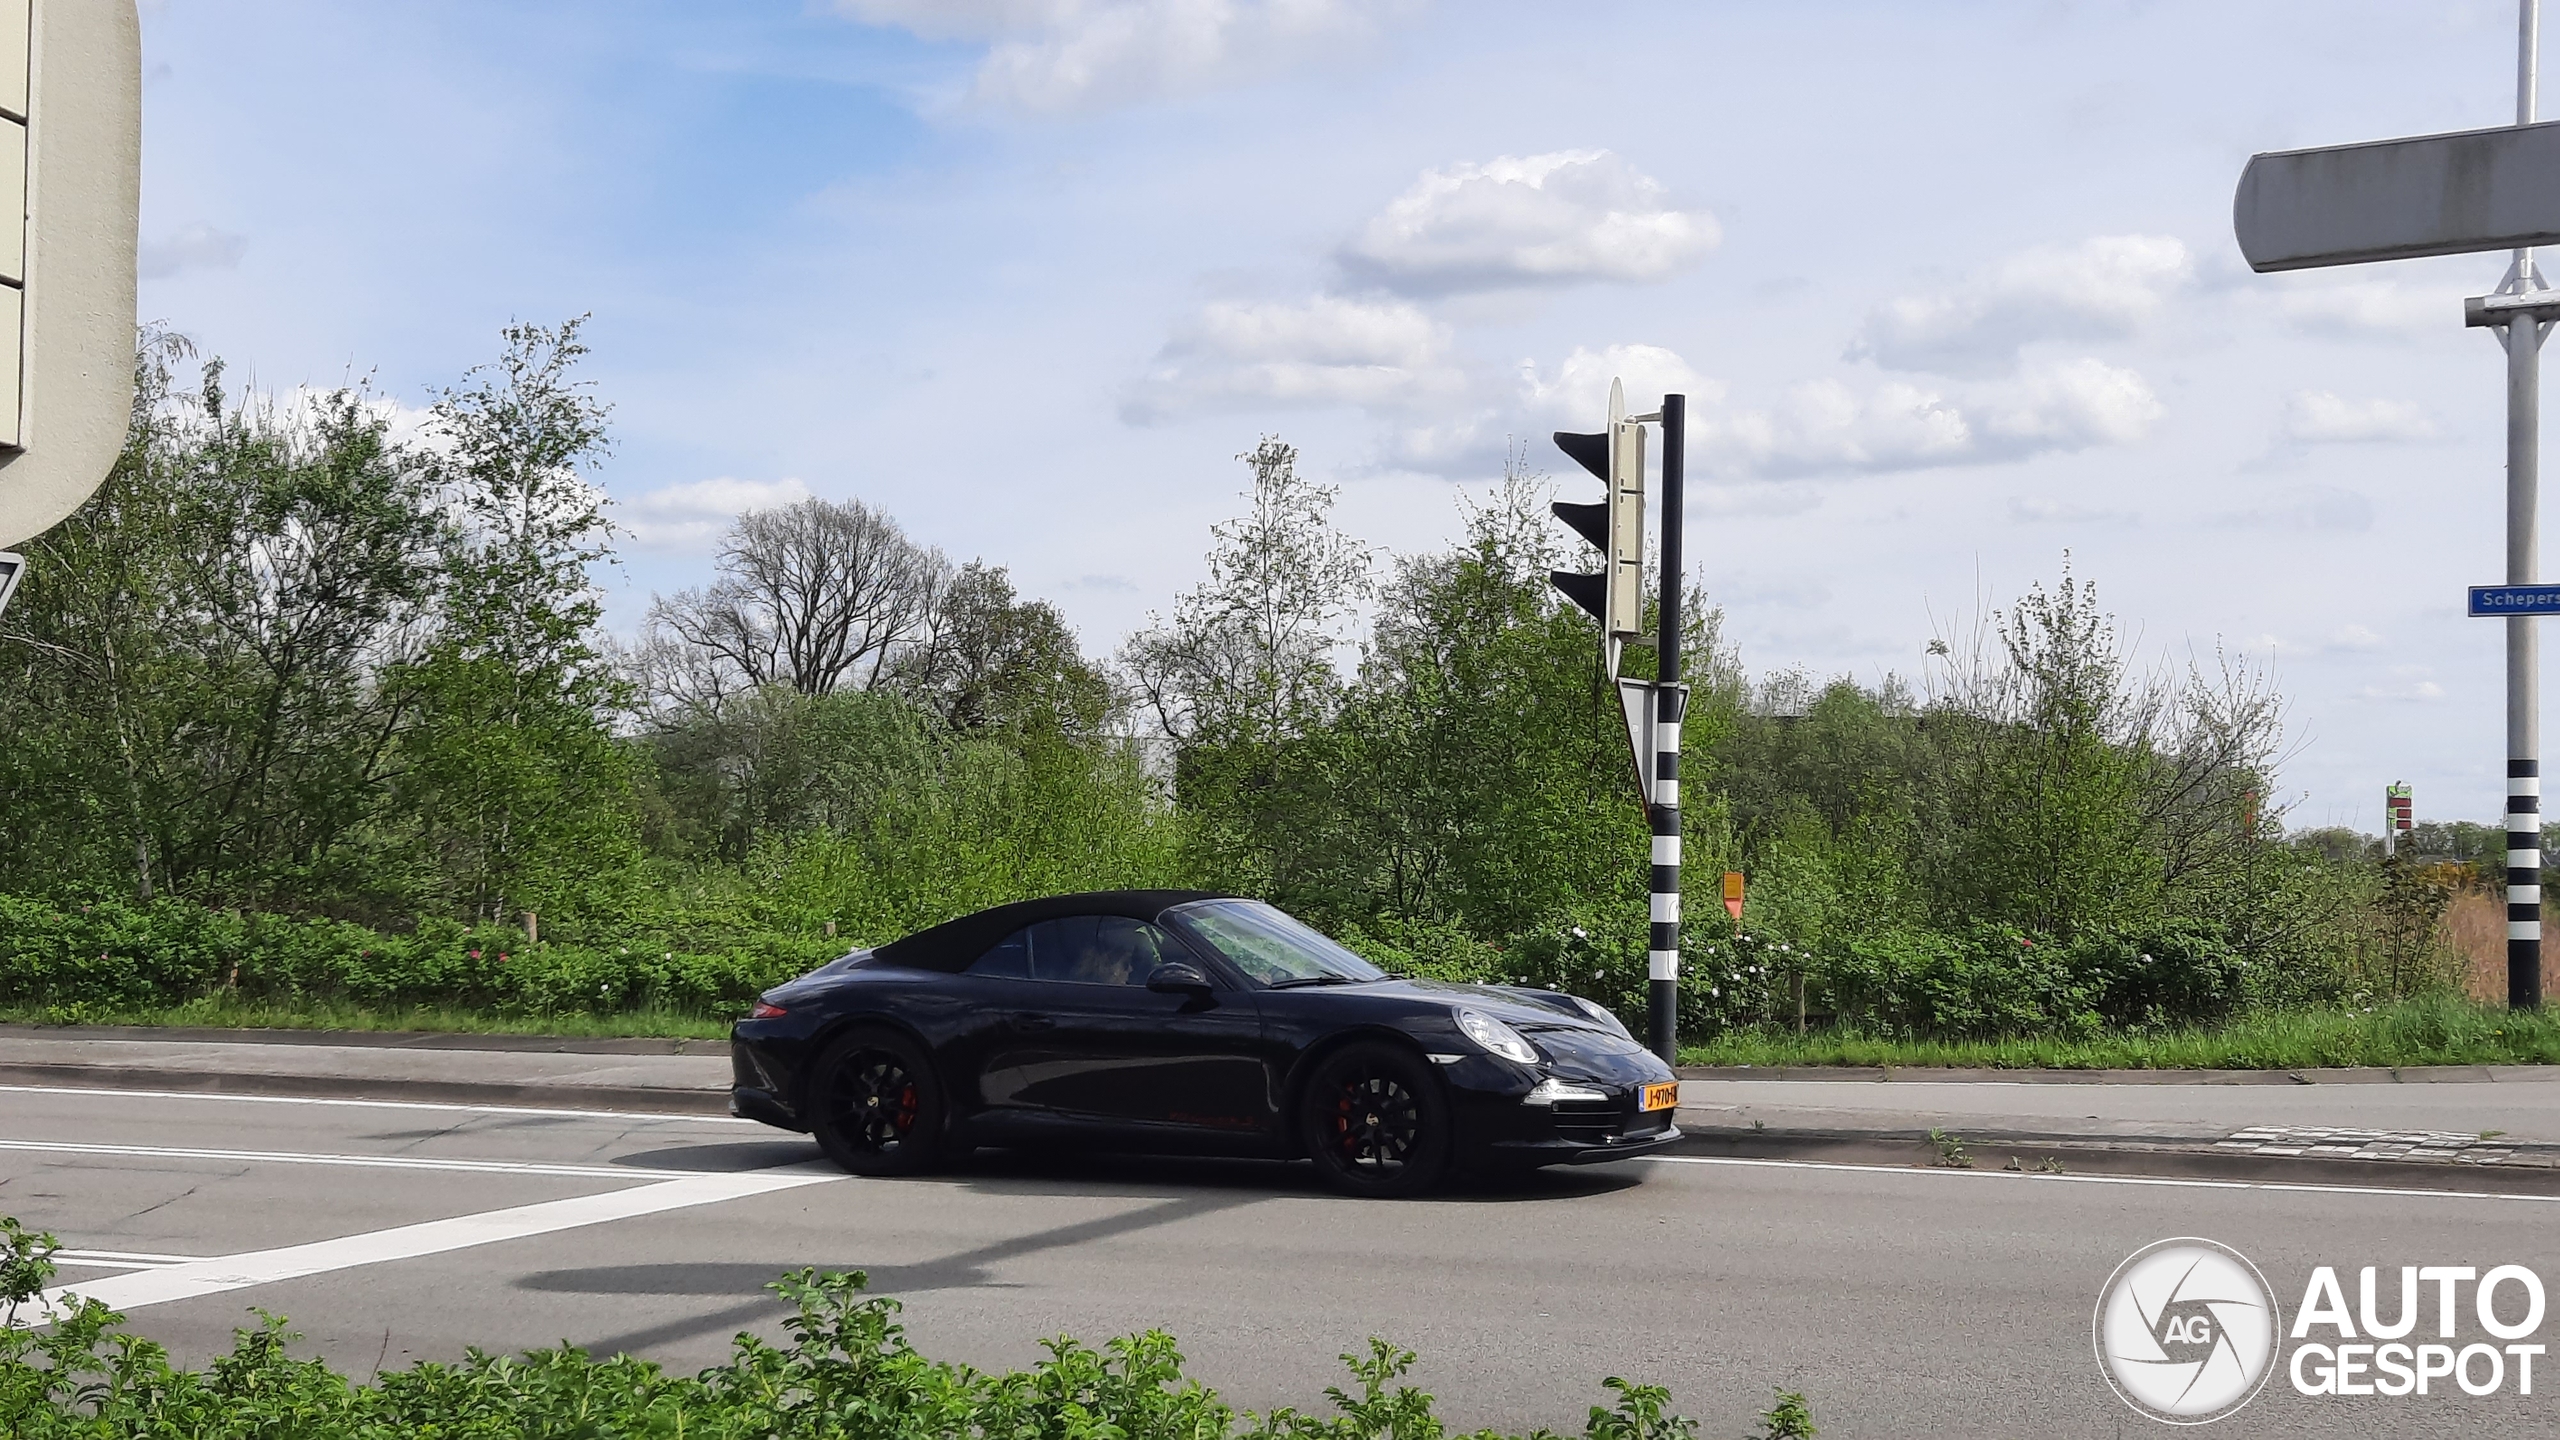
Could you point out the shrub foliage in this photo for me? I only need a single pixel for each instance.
(845, 1372)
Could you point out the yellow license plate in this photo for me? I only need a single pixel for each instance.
(1663, 1096)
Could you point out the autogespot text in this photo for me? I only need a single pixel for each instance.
(2417, 1330)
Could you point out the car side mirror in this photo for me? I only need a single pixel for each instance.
(1176, 978)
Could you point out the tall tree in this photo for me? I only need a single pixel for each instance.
(1248, 655)
(221, 614)
(990, 660)
(813, 596)
(512, 779)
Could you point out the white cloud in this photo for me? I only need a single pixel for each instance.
(2071, 406)
(1470, 436)
(694, 514)
(1327, 350)
(2104, 287)
(2353, 639)
(2367, 308)
(2405, 689)
(1822, 426)
(1550, 219)
(2309, 507)
(2038, 510)
(197, 247)
(2315, 417)
(1064, 55)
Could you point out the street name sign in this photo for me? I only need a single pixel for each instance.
(2451, 194)
(2515, 599)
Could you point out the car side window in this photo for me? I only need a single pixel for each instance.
(1099, 950)
(1007, 959)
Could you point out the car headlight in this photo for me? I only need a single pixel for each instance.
(1551, 1090)
(1600, 1012)
(1495, 1036)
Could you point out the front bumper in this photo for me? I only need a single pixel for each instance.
(1496, 1124)
(1587, 1132)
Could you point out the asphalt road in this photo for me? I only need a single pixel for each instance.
(1904, 1302)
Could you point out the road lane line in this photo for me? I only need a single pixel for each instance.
(120, 1259)
(450, 1107)
(2048, 1177)
(369, 1162)
(434, 1237)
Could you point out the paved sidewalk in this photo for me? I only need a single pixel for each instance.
(537, 1070)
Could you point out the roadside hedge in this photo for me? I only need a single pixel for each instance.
(846, 1371)
(114, 955)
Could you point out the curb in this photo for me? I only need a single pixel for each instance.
(1923, 1075)
(2116, 1158)
(638, 1099)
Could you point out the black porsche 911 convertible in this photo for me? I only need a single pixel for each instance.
(1173, 1021)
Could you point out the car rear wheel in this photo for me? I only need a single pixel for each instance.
(876, 1106)
(1375, 1122)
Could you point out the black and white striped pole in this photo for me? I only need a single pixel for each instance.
(1653, 708)
(1670, 700)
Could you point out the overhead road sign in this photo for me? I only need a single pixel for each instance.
(2515, 600)
(2452, 194)
(70, 191)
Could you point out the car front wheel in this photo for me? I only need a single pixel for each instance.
(876, 1106)
(1375, 1122)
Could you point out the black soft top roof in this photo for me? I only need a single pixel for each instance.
(951, 945)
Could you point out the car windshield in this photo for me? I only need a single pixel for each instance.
(1270, 947)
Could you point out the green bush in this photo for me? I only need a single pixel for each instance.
(113, 956)
(847, 1370)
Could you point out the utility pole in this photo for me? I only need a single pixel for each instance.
(2522, 335)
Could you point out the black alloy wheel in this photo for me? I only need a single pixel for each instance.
(1375, 1122)
(876, 1105)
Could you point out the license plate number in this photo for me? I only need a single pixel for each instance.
(1663, 1096)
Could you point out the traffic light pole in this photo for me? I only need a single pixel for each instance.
(1670, 699)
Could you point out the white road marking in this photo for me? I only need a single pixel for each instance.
(434, 1237)
(110, 1260)
(369, 1162)
(447, 1107)
(2043, 1177)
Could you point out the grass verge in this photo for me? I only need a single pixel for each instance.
(2442, 1030)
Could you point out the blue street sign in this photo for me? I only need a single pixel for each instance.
(2515, 599)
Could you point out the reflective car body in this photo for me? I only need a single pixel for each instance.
(1026, 1053)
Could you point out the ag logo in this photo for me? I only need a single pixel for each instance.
(2186, 1331)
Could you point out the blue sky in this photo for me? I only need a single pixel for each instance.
(1951, 286)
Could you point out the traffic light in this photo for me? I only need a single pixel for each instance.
(1614, 595)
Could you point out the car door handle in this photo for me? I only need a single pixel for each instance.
(1032, 1024)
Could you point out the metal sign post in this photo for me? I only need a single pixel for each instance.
(2449, 195)
(1671, 702)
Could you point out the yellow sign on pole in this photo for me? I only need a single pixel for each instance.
(1733, 894)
